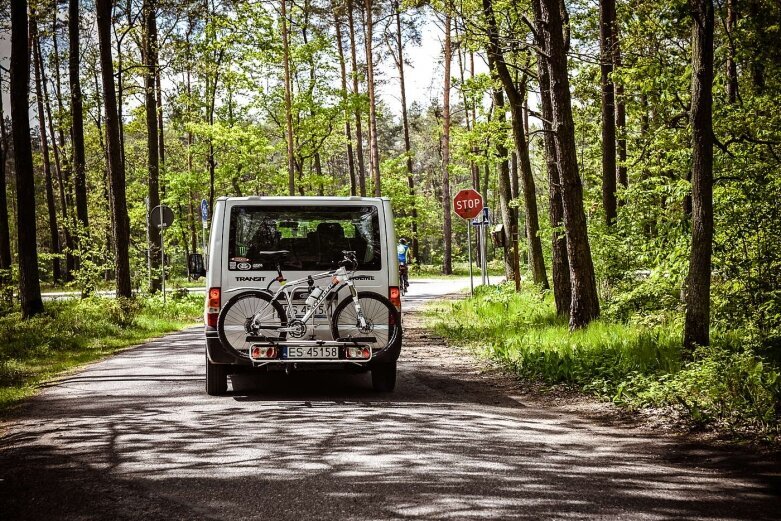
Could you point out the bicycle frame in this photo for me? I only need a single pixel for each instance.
(338, 277)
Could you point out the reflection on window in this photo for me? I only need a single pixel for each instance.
(315, 236)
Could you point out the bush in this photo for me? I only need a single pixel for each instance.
(630, 363)
(652, 297)
(732, 387)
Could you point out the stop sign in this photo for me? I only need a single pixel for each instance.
(468, 203)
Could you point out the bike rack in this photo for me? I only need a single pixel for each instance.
(341, 343)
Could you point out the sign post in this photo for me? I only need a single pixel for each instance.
(162, 217)
(467, 205)
(484, 258)
(482, 223)
(205, 223)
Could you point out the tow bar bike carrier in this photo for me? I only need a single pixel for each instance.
(264, 350)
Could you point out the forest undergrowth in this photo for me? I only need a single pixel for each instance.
(635, 362)
(75, 332)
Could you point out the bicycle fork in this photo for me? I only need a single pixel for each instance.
(362, 323)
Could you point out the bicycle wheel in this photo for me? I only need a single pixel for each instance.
(235, 320)
(384, 320)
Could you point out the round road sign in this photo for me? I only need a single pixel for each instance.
(468, 203)
(162, 214)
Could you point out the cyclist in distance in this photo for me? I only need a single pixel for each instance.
(403, 252)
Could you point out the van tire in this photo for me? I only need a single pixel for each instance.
(384, 377)
(216, 378)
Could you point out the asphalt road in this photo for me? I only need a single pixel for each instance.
(136, 437)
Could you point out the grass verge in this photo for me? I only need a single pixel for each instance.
(726, 385)
(74, 332)
(460, 269)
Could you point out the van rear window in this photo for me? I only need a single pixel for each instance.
(315, 236)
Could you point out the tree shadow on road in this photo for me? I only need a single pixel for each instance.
(446, 445)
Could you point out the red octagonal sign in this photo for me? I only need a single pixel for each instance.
(468, 203)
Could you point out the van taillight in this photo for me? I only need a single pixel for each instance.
(395, 297)
(212, 307)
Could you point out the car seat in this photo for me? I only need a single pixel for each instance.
(331, 242)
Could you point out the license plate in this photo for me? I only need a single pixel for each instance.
(299, 310)
(313, 352)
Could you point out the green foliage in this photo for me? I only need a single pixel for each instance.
(224, 134)
(724, 384)
(630, 363)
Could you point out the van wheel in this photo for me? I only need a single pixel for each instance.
(216, 378)
(384, 377)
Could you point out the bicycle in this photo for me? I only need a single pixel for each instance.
(403, 278)
(258, 316)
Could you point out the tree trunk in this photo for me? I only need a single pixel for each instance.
(697, 322)
(160, 132)
(562, 288)
(191, 222)
(405, 126)
(152, 138)
(486, 176)
(585, 303)
(77, 118)
(356, 92)
(58, 90)
(188, 83)
(61, 159)
(347, 129)
(517, 99)
(212, 81)
(447, 261)
(63, 184)
(374, 151)
(475, 166)
(29, 282)
(5, 235)
(291, 174)
(108, 274)
(114, 147)
(120, 78)
(536, 259)
(732, 68)
(469, 118)
(511, 268)
(54, 236)
(621, 171)
(607, 20)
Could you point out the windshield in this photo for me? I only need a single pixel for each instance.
(314, 236)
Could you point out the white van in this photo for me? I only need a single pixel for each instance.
(261, 244)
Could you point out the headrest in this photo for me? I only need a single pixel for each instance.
(330, 229)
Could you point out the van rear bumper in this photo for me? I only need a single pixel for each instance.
(218, 354)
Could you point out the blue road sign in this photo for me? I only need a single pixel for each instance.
(484, 219)
(204, 210)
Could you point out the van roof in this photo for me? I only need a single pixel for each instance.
(303, 198)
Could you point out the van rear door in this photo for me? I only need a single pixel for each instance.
(315, 231)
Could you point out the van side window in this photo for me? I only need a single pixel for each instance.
(314, 236)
